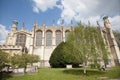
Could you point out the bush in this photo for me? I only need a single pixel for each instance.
(23, 59)
(57, 58)
(61, 56)
(75, 65)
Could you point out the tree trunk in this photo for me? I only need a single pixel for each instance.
(25, 69)
(8, 68)
(84, 68)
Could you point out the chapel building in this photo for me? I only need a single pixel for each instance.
(42, 40)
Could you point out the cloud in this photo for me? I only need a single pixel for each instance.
(35, 9)
(83, 10)
(115, 22)
(3, 33)
(43, 5)
(93, 11)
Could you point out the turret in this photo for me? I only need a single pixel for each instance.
(111, 41)
(106, 22)
(14, 26)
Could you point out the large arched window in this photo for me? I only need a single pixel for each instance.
(21, 39)
(58, 37)
(66, 34)
(39, 38)
(48, 38)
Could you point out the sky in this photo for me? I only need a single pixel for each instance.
(29, 11)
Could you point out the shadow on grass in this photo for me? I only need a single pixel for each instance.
(80, 72)
(4, 75)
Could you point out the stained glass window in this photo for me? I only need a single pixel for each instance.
(58, 37)
(39, 38)
(66, 34)
(48, 38)
(21, 39)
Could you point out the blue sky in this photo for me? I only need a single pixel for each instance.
(28, 11)
(21, 10)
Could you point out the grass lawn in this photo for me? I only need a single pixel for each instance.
(66, 74)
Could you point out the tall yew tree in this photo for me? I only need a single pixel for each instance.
(62, 55)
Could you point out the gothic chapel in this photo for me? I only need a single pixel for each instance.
(42, 40)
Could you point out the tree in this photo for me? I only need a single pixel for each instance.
(62, 56)
(34, 58)
(57, 59)
(23, 60)
(4, 59)
(87, 44)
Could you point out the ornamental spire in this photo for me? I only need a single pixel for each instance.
(53, 23)
(23, 26)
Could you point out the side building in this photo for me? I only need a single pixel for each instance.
(42, 40)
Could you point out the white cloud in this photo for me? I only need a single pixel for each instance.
(35, 9)
(83, 10)
(115, 22)
(86, 9)
(93, 11)
(3, 33)
(43, 5)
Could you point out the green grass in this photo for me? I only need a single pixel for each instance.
(67, 74)
(114, 72)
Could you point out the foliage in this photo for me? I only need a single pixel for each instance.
(62, 56)
(4, 59)
(84, 44)
(88, 45)
(94, 66)
(22, 60)
(117, 36)
(57, 58)
(34, 58)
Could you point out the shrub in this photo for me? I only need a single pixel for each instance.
(57, 58)
(61, 56)
(23, 59)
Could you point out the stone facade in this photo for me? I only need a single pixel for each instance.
(111, 42)
(42, 40)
